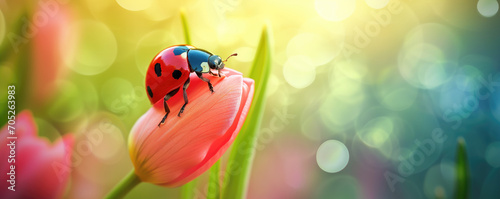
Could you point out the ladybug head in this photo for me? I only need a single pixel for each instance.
(215, 62)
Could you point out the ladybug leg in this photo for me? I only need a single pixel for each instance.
(186, 84)
(200, 75)
(165, 105)
(211, 73)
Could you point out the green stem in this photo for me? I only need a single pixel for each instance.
(213, 183)
(122, 188)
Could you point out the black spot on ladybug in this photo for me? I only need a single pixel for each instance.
(176, 74)
(150, 92)
(158, 69)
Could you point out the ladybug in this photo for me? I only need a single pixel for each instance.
(170, 69)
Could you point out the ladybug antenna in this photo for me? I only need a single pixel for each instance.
(234, 54)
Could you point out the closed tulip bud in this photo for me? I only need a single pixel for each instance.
(184, 147)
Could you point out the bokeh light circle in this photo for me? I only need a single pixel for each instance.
(68, 105)
(352, 69)
(332, 156)
(299, 71)
(134, 5)
(96, 48)
(490, 185)
(160, 11)
(429, 56)
(273, 85)
(377, 4)
(148, 46)
(344, 101)
(395, 93)
(314, 46)
(112, 137)
(338, 113)
(491, 154)
(118, 95)
(335, 10)
(495, 101)
(378, 134)
(427, 63)
(467, 78)
(439, 181)
(487, 8)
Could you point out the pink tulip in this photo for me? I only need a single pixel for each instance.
(41, 169)
(184, 147)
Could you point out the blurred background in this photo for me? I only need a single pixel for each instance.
(366, 98)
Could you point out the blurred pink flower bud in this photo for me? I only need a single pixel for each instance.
(41, 169)
(51, 22)
(184, 147)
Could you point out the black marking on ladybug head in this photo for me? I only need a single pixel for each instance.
(215, 62)
(150, 92)
(158, 69)
(176, 74)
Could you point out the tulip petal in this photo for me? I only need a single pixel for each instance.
(248, 90)
(186, 146)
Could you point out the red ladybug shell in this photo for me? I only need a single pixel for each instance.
(166, 73)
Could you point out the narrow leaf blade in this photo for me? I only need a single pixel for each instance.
(241, 157)
(462, 171)
(185, 27)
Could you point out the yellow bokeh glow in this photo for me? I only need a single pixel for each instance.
(96, 48)
(133, 5)
(313, 46)
(299, 71)
(376, 132)
(377, 4)
(335, 10)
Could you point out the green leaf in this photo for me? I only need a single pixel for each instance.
(213, 183)
(462, 171)
(241, 157)
(187, 191)
(185, 27)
